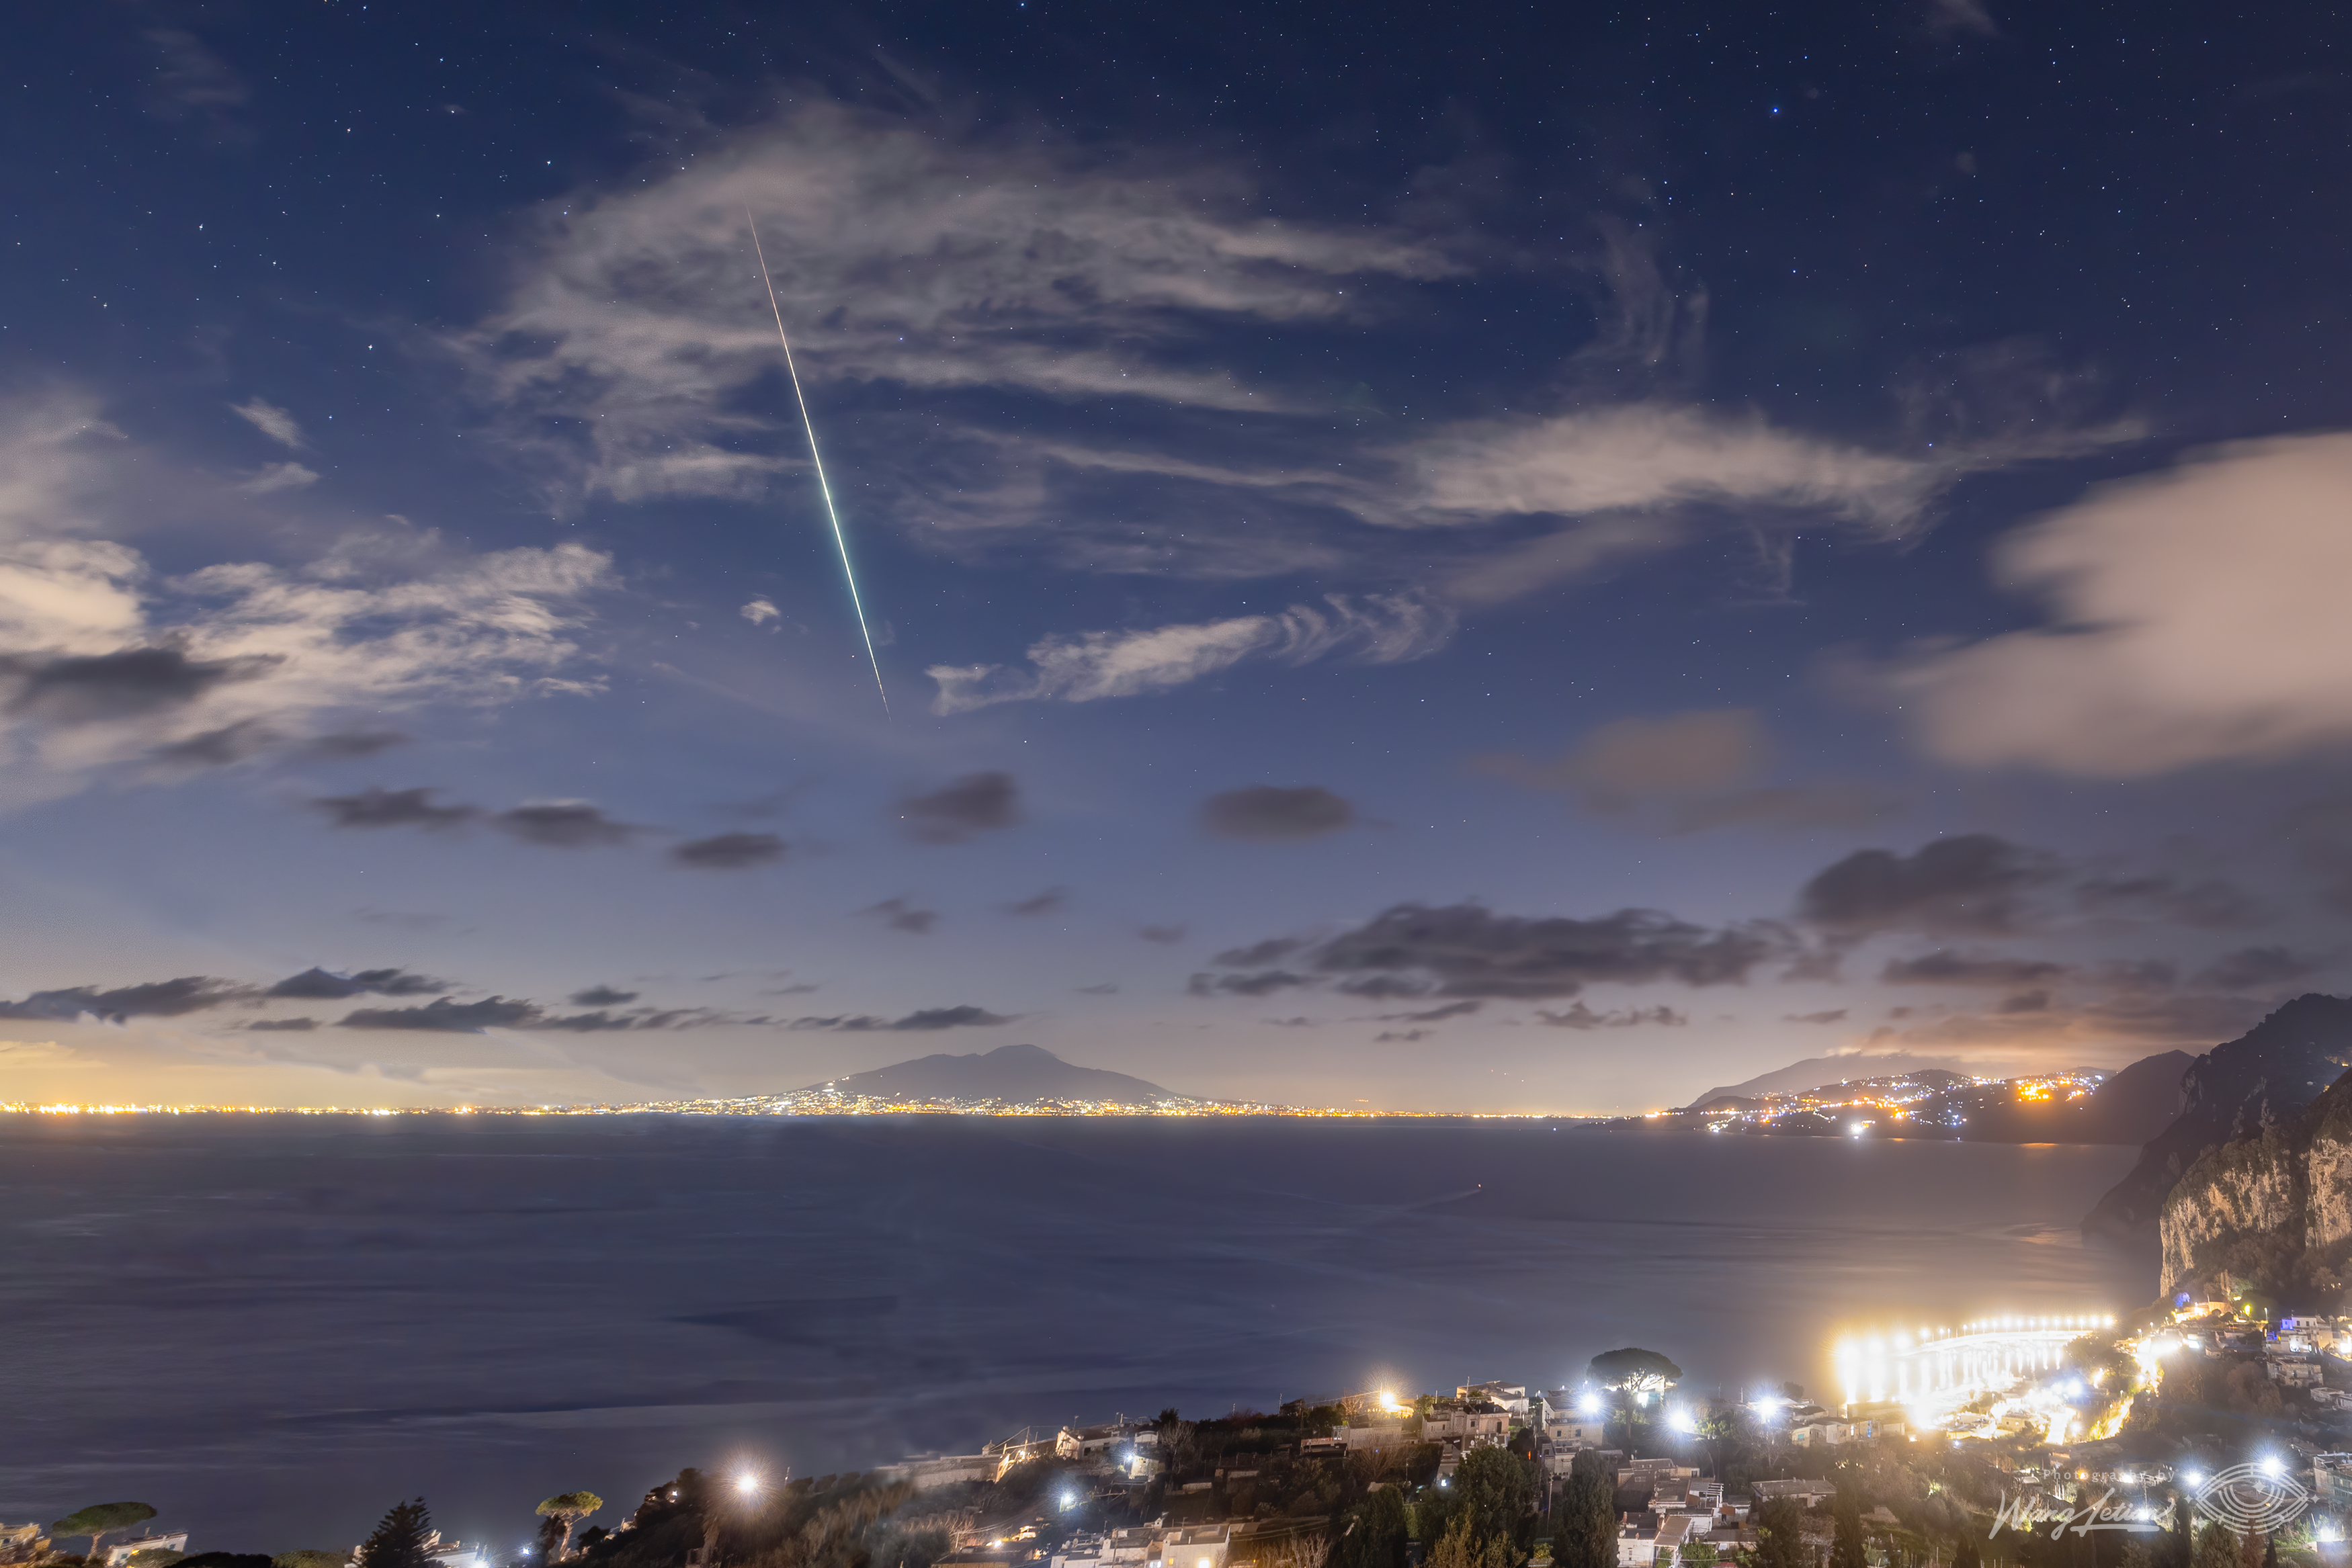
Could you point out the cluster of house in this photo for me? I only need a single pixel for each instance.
(2294, 1352)
(25, 1544)
(1676, 1510)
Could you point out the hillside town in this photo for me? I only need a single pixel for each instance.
(1941, 1445)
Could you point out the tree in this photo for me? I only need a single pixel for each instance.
(1584, 1520)
(1700, 1554)
(311, 1558)
(569, 1508)
(1966, 1554)
(1634, 1370)
(1718, 1428)
(2216, 1547)
(1493, 1489)
(399, 1538)
(1846, 1546)
(1780, 1534)
(1379, 1538)
(103, 1519)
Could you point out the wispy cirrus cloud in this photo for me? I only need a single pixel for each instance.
(1091, 666)
(901, 256)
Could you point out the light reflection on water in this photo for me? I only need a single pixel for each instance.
(272, 1328)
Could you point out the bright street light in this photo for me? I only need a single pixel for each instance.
(747, 1483)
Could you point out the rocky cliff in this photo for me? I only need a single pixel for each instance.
(2272, 1211)
(2233, 1094)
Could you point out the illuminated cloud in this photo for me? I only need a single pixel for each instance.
(1092, 665)
(272, 422)
(2196, 615)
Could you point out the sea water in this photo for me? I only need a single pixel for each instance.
(271, 1328)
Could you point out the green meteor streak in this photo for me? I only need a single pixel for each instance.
(840, 542)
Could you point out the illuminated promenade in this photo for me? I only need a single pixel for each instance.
(1941, 1368)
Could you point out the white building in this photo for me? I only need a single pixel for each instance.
(120, 1552)
(1511, 1396)
(1196, 1546)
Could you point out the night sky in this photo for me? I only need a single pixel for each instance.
(1446, 557)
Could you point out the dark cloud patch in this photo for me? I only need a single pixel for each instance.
(348, 745)
(218, 747)
(1046, 903)
(2036, 1001)
(562, 825)
(1975, 883)
(447, 1017)
(1107, 988)
(1386, 987)
(602, 997)
(1434, 1015)
(2136, 973)
(1579, 1016)
(1258, 954)
(1166, 936)
(377, 808)
(1272, 811)
(131, 684)
(973, 804)
(1262, 983)
(1467, 950)
(323, 984)
(298, 1025)
(899, 914)
(1835, 1015)
(1401, 1037)
(2259, 969)
(1946, 968)
(926, 1019)
(1787, 808)
(2209, 904)
(156, 999)
(728, 851)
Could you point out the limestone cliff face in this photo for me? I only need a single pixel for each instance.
(2254, 1188)
(2260, 1080)
(2274, 1210)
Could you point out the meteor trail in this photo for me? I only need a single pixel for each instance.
(840, 542)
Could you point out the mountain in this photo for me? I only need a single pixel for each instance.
(2232, 1094)
(1019, 1073)
(1816, 1070)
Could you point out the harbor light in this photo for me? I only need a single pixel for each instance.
(747, 1483)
